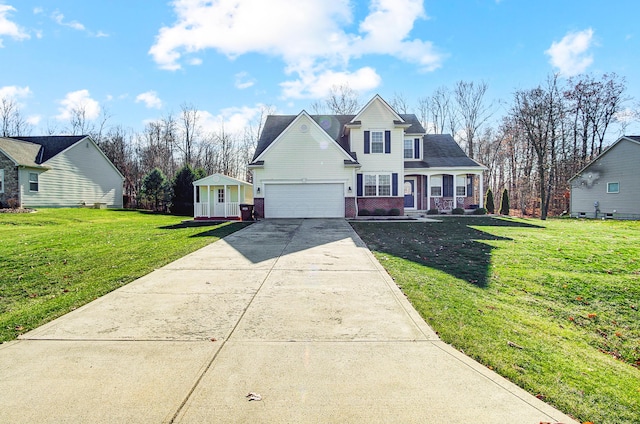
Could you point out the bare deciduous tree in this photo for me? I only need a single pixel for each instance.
(472, 110)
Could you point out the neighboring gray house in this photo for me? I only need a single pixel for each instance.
(57, 171)
(609, 187)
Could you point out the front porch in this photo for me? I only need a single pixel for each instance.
(443, 192)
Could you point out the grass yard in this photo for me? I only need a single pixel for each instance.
(551, 305)
(56, 260)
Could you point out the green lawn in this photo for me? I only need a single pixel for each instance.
(551, 305)
(56, 260)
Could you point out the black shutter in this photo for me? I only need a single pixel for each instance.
(387, 141)
(416, 148)
(359, 185)
(447, 185)
(470, 186)
(394, 184)
(367, 143)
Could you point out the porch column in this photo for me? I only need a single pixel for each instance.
(455, 190)
(208, 201)
(428, 191)
(226, 198)
(480, 176)
(194, 201)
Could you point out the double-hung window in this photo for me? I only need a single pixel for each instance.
(408, 149)
(377, 185)
(436, 186)
(377, 142)
(461, 185)
(33, 181)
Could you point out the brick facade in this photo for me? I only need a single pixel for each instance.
(10, 184)
(386, 203)
(258, 207)
(349, 207)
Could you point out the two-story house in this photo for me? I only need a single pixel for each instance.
(311, 166)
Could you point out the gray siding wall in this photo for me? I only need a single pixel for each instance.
(620, 164)
(80, 175)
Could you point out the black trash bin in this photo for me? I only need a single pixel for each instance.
(246, 211)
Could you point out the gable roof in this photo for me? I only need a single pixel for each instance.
(377, 97)
(22, 153)
(333, 125)
(51, 145)
(219, 179)
(632, 138)
(441, 151)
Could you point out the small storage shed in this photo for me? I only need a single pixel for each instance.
(220, 196)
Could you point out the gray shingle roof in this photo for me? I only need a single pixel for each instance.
(334, 125)
(51, 145)
(634, 137)
(21, 152)
(441, 150)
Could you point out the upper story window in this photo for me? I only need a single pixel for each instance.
(408, 149)
(33, 181)
(377, 142)
(613, 187)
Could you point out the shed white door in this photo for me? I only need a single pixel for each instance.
(304, 201)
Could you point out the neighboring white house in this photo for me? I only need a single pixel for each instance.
(57, 171)
(609, 186)
(340, 165)
(219, 197)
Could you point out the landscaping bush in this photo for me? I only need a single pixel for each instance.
(13, 202)
(489, 202)
(364, 212)
(380, 212)
(394, 212)
(504, 203)
(457, 211)
(433, 212)
(480, 211)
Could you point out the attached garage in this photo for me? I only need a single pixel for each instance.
(304, 200)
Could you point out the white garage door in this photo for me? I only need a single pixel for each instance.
(304, 201)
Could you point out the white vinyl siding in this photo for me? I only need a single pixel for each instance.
(304, 201)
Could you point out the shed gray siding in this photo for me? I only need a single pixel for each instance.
(619, 164)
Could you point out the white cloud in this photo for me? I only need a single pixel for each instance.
(150, 99)
(59, 19)
(78, 100)
(312, 38)
(234, 120)
(317, 85)
(14, 92)
(244, 80)
(570, 55)
(9, 28)
(34, 120)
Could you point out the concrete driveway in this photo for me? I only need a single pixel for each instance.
(296, 311)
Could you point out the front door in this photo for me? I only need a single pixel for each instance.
(410, 193)
(218, 202)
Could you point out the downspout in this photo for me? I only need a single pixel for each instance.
(355, 190)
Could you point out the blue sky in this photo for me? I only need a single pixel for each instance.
(139, 60)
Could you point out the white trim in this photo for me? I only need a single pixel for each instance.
(415, 192)
(377, 97)
(613, 192)
(377, 175)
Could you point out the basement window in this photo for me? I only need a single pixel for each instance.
(613, 187)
